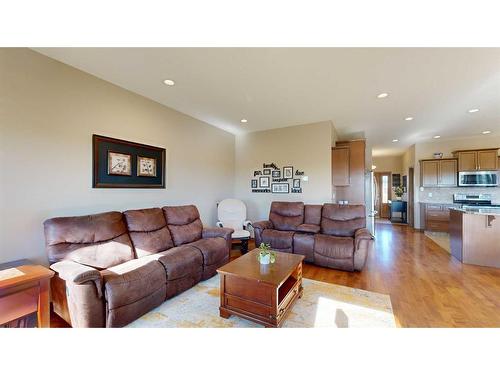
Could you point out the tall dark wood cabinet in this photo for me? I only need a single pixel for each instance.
(348, 171)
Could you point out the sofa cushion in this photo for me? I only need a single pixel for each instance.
(148, 231)
(334, 247)
(180, 261)
(278, 239)
(303, 244)
(98, 241)
(312, 213)
(132, 281)
(214, 250)
(308, 228)
(286, 215)
(342, 220)
(184, 223)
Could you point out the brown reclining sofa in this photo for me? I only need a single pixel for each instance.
(114, 267)
(329, 235)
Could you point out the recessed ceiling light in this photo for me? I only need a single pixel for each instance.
(473, 110)
(408, 118)
(243, 120)
(486, 132)
(436, 137)
(169, 82)
(382, 95)
(395, 140)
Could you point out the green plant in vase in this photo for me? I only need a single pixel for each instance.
(399, 191)
(265, 255)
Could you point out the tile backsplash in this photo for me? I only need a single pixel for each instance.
(445, 195)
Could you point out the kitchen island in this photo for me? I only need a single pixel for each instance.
(475, 235)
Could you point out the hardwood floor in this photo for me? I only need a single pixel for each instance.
(428, 287)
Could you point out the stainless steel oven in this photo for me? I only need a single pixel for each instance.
(478, 178)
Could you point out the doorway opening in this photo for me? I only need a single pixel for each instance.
(382, 194)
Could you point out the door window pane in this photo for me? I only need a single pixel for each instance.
(385, 189)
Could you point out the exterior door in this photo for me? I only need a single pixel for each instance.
(383, 182)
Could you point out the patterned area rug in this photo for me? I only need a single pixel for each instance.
(322, 305)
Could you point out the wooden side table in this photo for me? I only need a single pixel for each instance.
(24, 289)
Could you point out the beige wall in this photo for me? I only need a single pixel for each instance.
(445, 195)
(393, 164)
(306, 147)
(48, 113)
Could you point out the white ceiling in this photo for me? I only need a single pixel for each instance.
(278, 87)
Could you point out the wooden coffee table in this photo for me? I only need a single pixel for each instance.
(261, 293)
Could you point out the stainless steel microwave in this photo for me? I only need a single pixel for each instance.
(478, 178)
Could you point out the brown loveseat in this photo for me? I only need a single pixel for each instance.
(329, 235)
(114, 267)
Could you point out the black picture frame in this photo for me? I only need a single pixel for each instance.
(285, 170)
(276, 173)
(275, 188)
(102, 145)
(254, 184)
(296, 183)
(267, 184)
(267, 171)
(396, 180)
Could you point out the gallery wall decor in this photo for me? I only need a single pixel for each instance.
(123, 164)
(276, 180)
(280, 188)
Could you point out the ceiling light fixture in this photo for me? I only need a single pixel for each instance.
(395, 140)
(408, 118)
(243, 120)
(473, 110)
(382, 95)
(436, 137)
(486, 132)
(168, 82)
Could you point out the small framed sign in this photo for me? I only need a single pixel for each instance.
(287, 172)
(264, 181)
(280, 188)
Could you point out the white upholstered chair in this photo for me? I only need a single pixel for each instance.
(232, 213)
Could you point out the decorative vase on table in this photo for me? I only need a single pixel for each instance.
(265, 255)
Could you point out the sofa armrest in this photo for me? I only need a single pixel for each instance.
(214, 232)
(262, 225)
(362, 234)
(363, 244)
(75, 273)
(211, 232)
(82, 291)
(258, 228)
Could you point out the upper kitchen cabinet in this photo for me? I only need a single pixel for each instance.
(477, 160)
(348, 171)
(438, 172)
(340, 166)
